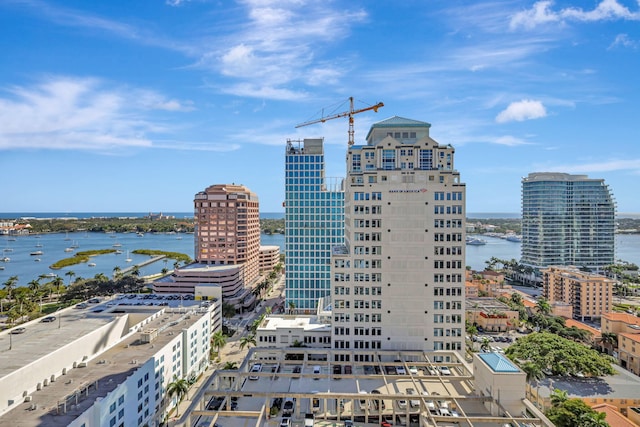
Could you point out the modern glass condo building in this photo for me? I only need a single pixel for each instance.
(314, 222)
(567, 220)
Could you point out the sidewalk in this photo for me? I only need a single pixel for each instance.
(229, 353)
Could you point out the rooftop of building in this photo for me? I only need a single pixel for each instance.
(614, 418)
(380, 387)
(498, 362)
(576, 274)
(93, 378)
(633, 337)
(574, 323)
(626, 318)
(308, 323)
(486, 304)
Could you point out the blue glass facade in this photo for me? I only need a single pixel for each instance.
(314, 223)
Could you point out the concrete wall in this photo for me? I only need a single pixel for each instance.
(21, 382)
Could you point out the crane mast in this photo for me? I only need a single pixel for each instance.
(348, 114)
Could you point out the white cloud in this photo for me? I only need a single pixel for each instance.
(278, 50)
(79, 113)
(526, 109)
(541, 13)
(624, 41)
(509, 141)
(614, 165)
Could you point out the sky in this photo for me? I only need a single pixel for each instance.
(135, 106)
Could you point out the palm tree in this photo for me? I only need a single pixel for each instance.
(485, 345)
(267, 310)
(228, 310)
(135, 271)
(558, 397)
(247, 340)
(610, 340)
(179, 387)
(71, 274)
(543, 306)
(218, 340)
(58, 283)
(533, 371)
(10, 285)
(516, 298)
(116, 272)
(292, 307)
(34, 287)
(230, 366)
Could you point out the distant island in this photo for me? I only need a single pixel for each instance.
(267, 225)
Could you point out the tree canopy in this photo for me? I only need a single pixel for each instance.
(558, 355)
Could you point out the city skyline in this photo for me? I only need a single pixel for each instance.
(120, 107)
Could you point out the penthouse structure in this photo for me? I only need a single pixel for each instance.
(567, 220)
(108, 364)
(314, 223)
(590, 295)
(398, 280)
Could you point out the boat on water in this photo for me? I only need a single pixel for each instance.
(513, 238)
(92, 264)
(37, 260)
(118, 252)
(128, 258)
(7, 250)
(68, 249)
(35, 253)
(1, 267)
(75, 245)
(39, 245)
(116, 245)
(51, 275)
(474, 241)
(5, 259)
(140, 234)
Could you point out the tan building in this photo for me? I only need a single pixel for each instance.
(398, 282)
(227, 220)
(591, 295)
(269, 258)
(629, 351)
(491, 315)
(619, 322)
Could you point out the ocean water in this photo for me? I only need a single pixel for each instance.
(25, 266)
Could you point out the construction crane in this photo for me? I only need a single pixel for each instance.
(349, 114)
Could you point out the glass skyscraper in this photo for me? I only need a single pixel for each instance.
(567, 220)
(314, 223)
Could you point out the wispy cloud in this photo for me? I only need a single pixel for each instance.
(80, 113)
(526, 109)
(623, 40)
(70, 17)
(277, 52)
(613, 165)
(542, 13)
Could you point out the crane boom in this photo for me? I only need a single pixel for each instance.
(348, 114)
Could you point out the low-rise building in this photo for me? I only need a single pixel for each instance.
(109, 364)
(287, 331)
(491, 315)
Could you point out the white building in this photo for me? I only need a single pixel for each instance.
(398, 282)
(104, 365)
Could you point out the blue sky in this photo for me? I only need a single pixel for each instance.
(138, 105)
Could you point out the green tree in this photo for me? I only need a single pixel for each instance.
(516, 299)
(58, 284)
(9, 286)
(34, 287)
(533, 371)
(71, 275)
(292, 307)
(543, 307)
(574, 412)
(228, 310)
(230, 366)
(218, 340)
(558, 397)
(247, 340)
(485, 345)
(179, 388)
(116, 272)
(609, 340)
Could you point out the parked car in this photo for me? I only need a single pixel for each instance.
(444, 370)
(255, 369)
(17, 331)
(49, 319)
